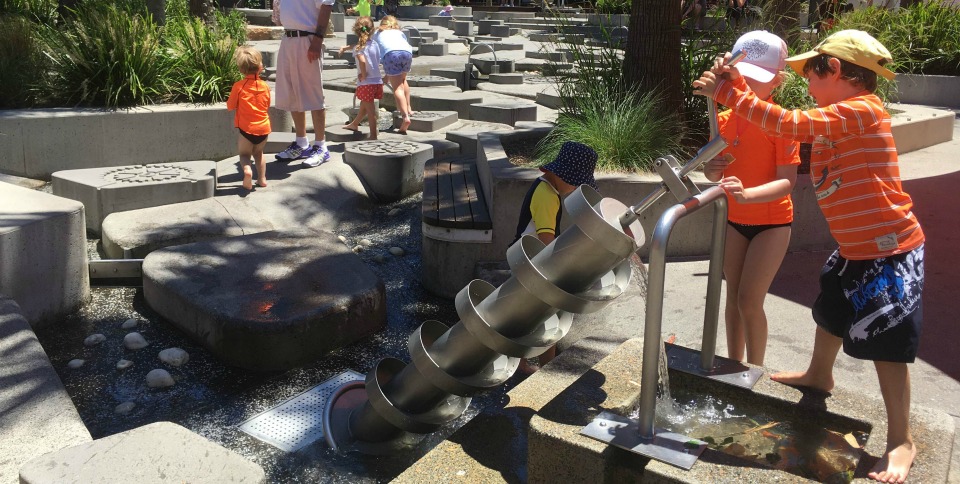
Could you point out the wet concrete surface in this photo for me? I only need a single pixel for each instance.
(212, 399)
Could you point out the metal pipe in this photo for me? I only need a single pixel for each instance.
(656, 273)
(711, 312)
(712, 105)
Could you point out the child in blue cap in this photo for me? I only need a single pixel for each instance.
(541, 211)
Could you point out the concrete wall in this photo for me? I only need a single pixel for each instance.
(36, 413)
(929, 90)
(34, 143)
(424, 12)
(43, 253)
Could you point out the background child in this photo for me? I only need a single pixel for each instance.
(541, 211)
(758, 190)
(250, 99)
(369, 82)
(870, 288)
(397, 59)
(447, 11)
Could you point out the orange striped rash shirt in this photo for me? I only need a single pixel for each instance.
(853, 166)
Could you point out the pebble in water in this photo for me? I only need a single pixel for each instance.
(94, 339)
(365, 243)
(130, 324)
(357, 249)
(134, 341)
(393, 212)
(379, 258)
(174, 356)
(124, 408)
(124, 364)
(342, 239)
(75, 363)
(159, 378)
(397, 251)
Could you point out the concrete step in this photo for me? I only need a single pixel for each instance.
(427, 121)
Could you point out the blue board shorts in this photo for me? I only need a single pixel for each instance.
(874, 305)
(397, 62)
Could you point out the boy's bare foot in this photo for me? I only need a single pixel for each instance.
(895, 464)
(350, 127)
(262, 183)
(802, 379)
(372, 137)
(404, 125)
(248, 178)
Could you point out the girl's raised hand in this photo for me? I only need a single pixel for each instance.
(733, 186)
(720, 69)
(706, 85)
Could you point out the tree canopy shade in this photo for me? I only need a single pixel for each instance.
(652, 56)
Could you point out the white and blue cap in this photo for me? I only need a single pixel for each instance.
(574, 164)
(766, 55)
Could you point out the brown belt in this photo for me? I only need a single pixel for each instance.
(297, 33)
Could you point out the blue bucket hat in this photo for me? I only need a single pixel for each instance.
(574, 164)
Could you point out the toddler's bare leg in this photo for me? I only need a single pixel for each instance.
(245, 150)
(261, 164)
(895, 388)
(371, 118)
(819, 374)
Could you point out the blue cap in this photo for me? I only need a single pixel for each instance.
(574, 164)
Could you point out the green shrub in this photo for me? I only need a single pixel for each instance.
(40, 11)
(21, 62)
(232, 24)
(105, 57)
(202, 61)
(793, 94)
(697, 53)
(627, 129)
(923, 38)
(612, 6)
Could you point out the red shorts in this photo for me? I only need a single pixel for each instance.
(369, 92)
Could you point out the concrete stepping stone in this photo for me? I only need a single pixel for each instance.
(43, 253)
(504, 113)
(462, 28)
(268, 301)
(427, 121)
(426, 35)
(39, 416)
(466, 135)
(503, 31)
(434, 49)
(338, 134)
(103, 191)
(544, 37)
(389, 169)
(158, 452)
(445, 101)
(485, 64)
(438, 20)
(550, 98)
(508, 78)
(483, 26)
(430, 81)
(550, 55)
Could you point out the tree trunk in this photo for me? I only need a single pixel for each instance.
(652, 57)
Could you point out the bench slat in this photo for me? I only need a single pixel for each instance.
(452, 197)
(447, 213)
(461, 206)
(430, 208)
(478, 206)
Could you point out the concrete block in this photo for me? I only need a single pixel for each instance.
(107, 190)
(158, 452)
(443, 149)
(550, 99)
(427, 121)
(929, 90)
(11, 146)
(438, 20)
(434, 49)
(483, 26)
(278, 141)
(429, 35)
(430, 81)
(564, 56)
(462, 28)
(457, 40)
(503, 31)
(338, 134)
(485, 64)
(504, 113)
(338, 21)
(544, 37)
(466, 135)
(389, 169)
(509, 78)
(282, 298)
(445, 101)
(917, 127)
(501, 46)
(352, 38)
(38, 415)
(43, 253)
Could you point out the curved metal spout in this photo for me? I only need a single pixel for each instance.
(410, 27)
(478, 44)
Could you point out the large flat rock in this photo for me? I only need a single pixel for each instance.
(268, 301)
(36, 413)
(43, 253)
(158, 452)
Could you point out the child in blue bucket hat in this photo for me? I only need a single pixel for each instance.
(541, 209)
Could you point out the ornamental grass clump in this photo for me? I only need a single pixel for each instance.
(627, 129)
(923, 38)
(201, 61)
(21, 61)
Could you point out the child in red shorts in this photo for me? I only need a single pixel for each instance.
(369, 81)
(250, 98)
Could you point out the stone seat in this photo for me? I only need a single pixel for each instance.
(43, 253)
(268, 301)
(158, 452)
(504, 113)
(503, 31)
(107, 190)
(434, 49)
(390, 170)
(427, 121)
(430, 81)
(445, 101)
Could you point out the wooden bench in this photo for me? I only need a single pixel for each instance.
(452, 197)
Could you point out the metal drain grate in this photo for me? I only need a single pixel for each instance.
(298, 421)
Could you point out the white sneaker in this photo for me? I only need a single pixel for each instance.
(315, 156)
